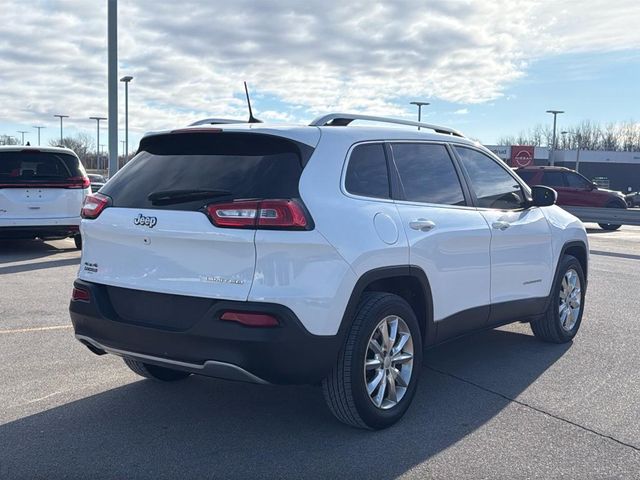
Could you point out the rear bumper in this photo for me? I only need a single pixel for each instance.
(202, 343)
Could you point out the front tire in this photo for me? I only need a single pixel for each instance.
(155, 372)
(562, 319)
(376, 375)
(611, 226)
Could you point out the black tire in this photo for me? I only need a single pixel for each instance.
(77, 239)
(155, 372)
(548, 328)
(610, 226)
(345, 388)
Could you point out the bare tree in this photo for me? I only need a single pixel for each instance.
(83, 145)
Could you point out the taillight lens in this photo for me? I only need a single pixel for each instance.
(93, 205)
(283, 214)
(78, 182)
(251, 319)
(80, 295)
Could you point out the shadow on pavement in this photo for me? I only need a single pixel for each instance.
(21, 250)
(203, 428)
(28, 267)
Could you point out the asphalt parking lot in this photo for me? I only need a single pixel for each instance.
(497, 404)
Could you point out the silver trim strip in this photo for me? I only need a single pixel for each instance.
(210, 368)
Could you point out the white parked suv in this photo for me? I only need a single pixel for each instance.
(41, 192)
(324, 254)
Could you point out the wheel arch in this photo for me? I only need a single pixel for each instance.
(577, 249)
(408, 282)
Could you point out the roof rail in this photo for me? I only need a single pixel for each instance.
(344, 119)
(215, 121)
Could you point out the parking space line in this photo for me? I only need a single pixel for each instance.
(36, 329)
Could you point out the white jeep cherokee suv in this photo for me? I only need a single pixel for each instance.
(322, 254)
(41, 192)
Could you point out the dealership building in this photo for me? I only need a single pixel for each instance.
(615, 170)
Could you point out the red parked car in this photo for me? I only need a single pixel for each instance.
(573, 189)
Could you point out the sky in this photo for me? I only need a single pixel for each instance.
(489, 68)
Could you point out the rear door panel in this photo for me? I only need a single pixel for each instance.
(40, 203)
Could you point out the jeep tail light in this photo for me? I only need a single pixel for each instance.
(93, 205)
(80, 295)
(251, 319)
(281, 214)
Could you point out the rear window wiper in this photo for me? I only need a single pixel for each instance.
(167, 197)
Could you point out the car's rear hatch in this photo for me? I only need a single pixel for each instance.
(40, 185)
(156, 234)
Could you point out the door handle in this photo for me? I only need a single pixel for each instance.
(422, 224)
(500, 225)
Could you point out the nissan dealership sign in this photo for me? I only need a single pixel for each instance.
(522, 155)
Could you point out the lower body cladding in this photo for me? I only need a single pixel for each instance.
(189, 334)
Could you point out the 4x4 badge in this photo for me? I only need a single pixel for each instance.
(145, 221)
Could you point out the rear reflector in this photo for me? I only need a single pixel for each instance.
(251, 319)
(283, 214)
(80, 295)
(93, 205)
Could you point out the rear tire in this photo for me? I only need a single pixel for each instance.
(609, 226)
(77, 239)
(155, 372)
(374, 380)
(561, 321)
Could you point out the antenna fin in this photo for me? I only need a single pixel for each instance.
(252, 119)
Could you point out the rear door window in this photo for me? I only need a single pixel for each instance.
(427, 173)
(185, 171)
(367, 173)
(29, 167)
(553, 179)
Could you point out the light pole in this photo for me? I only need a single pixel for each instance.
(97, 119)
(102, 150)
(420, 104)
(23, 132)
(126, 81)
(578, 138)
(123, 142)
(61, 117)
(553, 141)
(39, 128)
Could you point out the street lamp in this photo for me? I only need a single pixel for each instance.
(39, 128)
(126, 81)
(420, 104)
(97, 119)
(123, 142)
(553, 141)
(23, 132)
(578, 138)
(61, 117)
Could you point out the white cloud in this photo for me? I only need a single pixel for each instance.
(461, 111)
(189, 57)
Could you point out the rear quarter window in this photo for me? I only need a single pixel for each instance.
(367, 173)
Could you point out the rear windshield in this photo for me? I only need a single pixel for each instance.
(183, 168)
(31, 167)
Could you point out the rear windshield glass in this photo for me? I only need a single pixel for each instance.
(186, 171)
(27, 167)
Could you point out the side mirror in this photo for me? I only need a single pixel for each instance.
(543, 196)
(594, 186)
